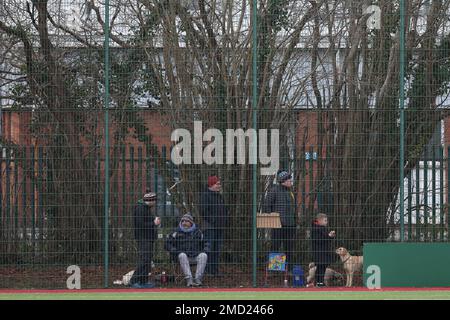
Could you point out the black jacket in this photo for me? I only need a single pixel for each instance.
(144, 226)
(192, 243)
(282, 200)
(213, 210)
(322, 245)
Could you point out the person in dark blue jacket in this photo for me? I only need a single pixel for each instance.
(187, 244)
(215, 216)
(145, 233)
(322, 246)
(281, 198)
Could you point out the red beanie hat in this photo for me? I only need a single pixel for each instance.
(212, 180)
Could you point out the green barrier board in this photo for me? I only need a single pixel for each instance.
(408, 264)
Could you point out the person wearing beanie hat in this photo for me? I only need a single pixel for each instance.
(188, 218)
(187, 244)
(283, 176)
(149, 197)
(281, 199)
(145, 224)
(213, 180)
(215, 216)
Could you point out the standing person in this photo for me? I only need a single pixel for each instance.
(281, 199)
(188, 245)
(145, 223)
(322, 246)
(215, 217)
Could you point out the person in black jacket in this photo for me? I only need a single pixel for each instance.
(281, 199)
(188, 245)
(145, 223)
(322, 246)
(215, 217)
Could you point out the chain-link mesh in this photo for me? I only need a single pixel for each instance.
(183, 79)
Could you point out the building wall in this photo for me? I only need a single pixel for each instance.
(16, 129)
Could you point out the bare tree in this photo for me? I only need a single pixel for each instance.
(321, 53)
(358, 128)
(54, 58)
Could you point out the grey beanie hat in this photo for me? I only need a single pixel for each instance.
(283, 175)
(188, 217)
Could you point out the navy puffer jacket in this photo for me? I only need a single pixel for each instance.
(322, 245)
(190, 241)
(282, 200)
(144, 226)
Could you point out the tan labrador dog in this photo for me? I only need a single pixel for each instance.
(351, 263)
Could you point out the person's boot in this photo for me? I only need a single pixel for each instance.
(197, 282)
(320, 285)
(189, 282)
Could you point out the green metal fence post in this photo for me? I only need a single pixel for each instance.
(425, 194)
(402, 119)
(115, 193)
(1, 187)
(433, 188)
(106, 213)
(254, 105)
(448, 186)
(441, 193)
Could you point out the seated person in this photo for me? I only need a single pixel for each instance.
(187, 243)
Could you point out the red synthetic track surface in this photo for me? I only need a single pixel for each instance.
(354, 289)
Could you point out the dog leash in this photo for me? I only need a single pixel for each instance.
(346, 259)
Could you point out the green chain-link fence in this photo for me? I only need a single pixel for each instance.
(92, 93)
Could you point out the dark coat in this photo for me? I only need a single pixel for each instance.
(144, 226)
(192, 243)
(213, 210)
(322, 245)
(282, 200)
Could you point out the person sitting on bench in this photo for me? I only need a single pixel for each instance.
(187, 244)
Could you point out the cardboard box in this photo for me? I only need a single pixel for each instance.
(268, 220)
